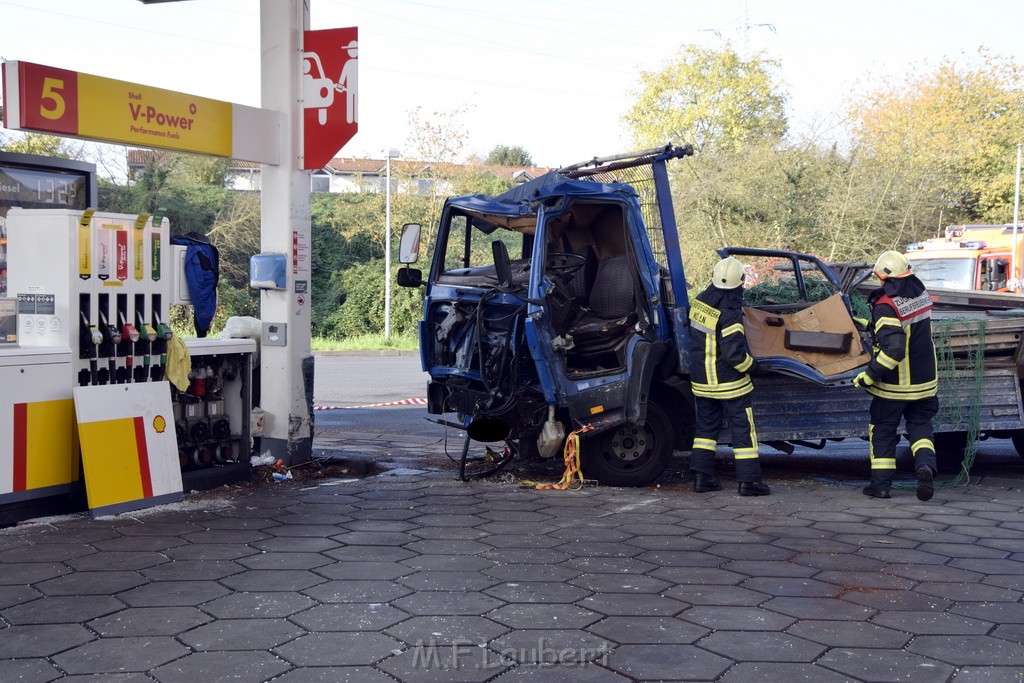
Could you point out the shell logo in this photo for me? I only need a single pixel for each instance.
(159, 424)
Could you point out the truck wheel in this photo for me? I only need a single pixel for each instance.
(949, 448)
(631, 455)
(1018, 443)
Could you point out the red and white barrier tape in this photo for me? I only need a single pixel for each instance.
(403, 402)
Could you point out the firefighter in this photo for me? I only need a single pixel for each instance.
(901, 376)
(720, 369)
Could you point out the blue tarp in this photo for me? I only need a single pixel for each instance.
(202, 273)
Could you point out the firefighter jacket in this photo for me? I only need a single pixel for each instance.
(903, 356)
(719, 359)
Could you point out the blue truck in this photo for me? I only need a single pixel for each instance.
(563, 304)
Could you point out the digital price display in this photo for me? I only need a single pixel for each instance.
(42, 189)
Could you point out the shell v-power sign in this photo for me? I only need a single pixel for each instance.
(64, 102)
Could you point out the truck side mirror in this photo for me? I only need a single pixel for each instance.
(410, 277)
(409, 247)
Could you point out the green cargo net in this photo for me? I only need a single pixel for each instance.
(965, 371)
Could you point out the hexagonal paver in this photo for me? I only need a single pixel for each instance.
(16, 595)
(531, 572)
(715, 595)
(338, 649)
(448, 563)
(884, 665)
(647, 630)
(357, 591)
(976, 650)
(667, 662)
(206, 551)
(193, 570)
(91, 583)
(149, 621)
(458, 581)
(544, 616)
(173, 593)
(620, 583)
(352, 570)
(374, 538)
(119, 561)
(585, 673)
(566, 646)
(275, 561)
(41, 640)
(819, 608)
(283, 580)
(794, 587)
(460, 663)
(267, 605)
(624, 604)
(356, 617)
(296, 545)
(241, 634)
(63, 609)
(335, 674)
(28, 670)
(447, 630)
(737, 618)
(537, 592)
(115, 655)
(222, 666)
(446, 602)
(744, 672)
(747, 646)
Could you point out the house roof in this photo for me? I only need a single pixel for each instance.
(343, 165)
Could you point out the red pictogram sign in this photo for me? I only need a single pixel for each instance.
(330, 85)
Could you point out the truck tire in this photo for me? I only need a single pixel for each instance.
(1018, 443)
(949, 449)
(631, 455)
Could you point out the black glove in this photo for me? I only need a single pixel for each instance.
(755, 369)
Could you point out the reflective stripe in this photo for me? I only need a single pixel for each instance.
(882, 322)
(745, 365)
(922, 443)
(706, 444)
(905, 363)
(883, 463)
(753, 429)
(912, 392)
(871, 441)
(733, 329)
(710, 351)
(886, 361)
(745, 453)
(723, 391)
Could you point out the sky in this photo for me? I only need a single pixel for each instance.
(551, 76)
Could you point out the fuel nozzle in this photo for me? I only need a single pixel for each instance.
(164, 331)
(91, 335)
(110, 333)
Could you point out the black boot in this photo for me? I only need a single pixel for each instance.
(753, 488)
(702, 483)
(877, 491)
(925, 483)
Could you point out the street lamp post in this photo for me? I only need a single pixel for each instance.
(391, 154)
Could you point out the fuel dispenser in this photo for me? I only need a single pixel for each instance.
(94, 292)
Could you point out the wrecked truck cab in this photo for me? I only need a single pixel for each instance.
(541, 310)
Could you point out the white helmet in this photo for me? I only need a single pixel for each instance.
(891, 264)
(728, 273)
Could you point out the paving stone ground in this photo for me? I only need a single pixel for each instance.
(416, 577)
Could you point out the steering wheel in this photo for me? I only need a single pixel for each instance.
(565, 264)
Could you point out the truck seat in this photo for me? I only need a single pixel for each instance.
(612, 309)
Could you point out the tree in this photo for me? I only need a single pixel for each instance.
(503, 155)
(713, 99)
(946, 139)
(43, 145)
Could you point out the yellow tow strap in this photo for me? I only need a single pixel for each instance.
(572, 478)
